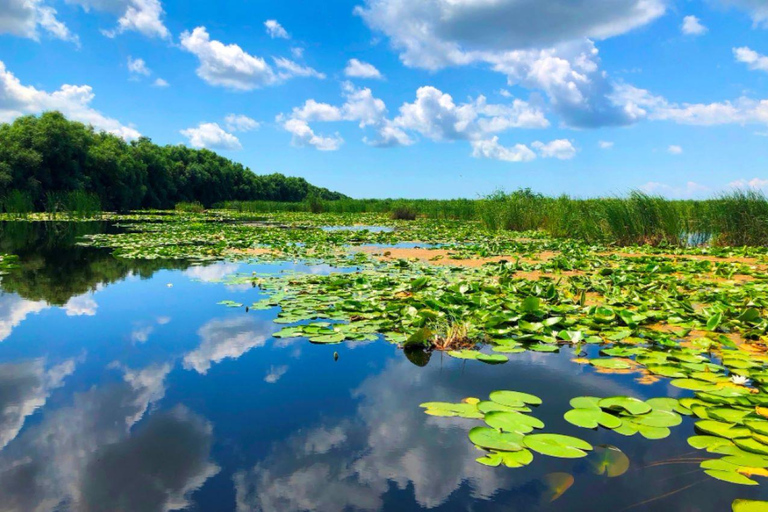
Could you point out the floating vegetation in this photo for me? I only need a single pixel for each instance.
(626, 415)
(508, 435)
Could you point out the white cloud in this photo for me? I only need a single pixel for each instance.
(226, 339)
(240, 123)
(643, 104)
(303, 136)
(212, 273)
(435, 115)
(605, 144)
(675, 150)
(211, 136)
(540, 45)
(82, 305)
(359, 69)
(275, 373)
(756, 183)
(495, 151)
(228, 65)
(297, 52)
(753, 60)
(138, 67)
(692, 26)
(141, 334)
(23, 17)
(143, 16)
(159, 82)
(72, 100)
(290, 69)
(562, 149)
(757, 9)
(275, 30)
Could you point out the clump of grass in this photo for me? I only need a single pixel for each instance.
(190, 207)
(454, 336)
(740, 218)
(18, 202)
(76, 203)
(315, 203)
(404, 212)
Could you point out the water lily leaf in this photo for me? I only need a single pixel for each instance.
(557, 445)
(728, 415)
(418, 338)
(749, 506)
(585, 402)
(591, 418)
(610, 364)
(731, 477)
(707, 442)
(627, 403)
(692, 384)
(714, 321)
(492, 358)
(609, 461)
(516, 459)
(751, 445)
(514, 398)
(652, 432)
(492, 439)
(449, 410)
(759, 426)
(557, 484)
(513, 422)
(719, 428)
(487, 406)
(659, 418)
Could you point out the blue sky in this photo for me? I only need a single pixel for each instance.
(404, 98)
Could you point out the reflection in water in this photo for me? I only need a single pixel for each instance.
(25, 387)
(353, 462)
(81, 305)
(86, 457)
(227, 338)
(53, 269)
(13, 311)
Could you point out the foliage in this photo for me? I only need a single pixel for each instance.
(44, 158)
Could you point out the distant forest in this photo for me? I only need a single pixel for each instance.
(48, 156)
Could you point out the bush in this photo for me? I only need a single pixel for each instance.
(190, 207)
(404, 213)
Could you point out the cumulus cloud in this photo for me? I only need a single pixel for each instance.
(73, 101)
(359, 69)
(493, 150)
(303, 136)
(14, 310)
(562, 149)
(138, 67)
(539, 45)
(143, 16)
(692, 26)
(240, 123)
(605, 144)
(227, 339)
(23, 18)
(753, 60)
(275, 30)
(211, 136)
(228, 65)
(436, 116)
(24, 388)
(159, 82)
(82, 305)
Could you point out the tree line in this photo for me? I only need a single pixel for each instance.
(42, 156)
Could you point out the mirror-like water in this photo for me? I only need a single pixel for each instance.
(124, 386)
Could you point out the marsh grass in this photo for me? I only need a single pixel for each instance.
(190, 207)
(454, 336)
(737, 218)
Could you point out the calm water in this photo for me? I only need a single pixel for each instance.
(125, 387)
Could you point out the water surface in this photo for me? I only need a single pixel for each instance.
(124, 386)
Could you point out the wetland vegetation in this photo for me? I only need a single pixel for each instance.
(680, 328)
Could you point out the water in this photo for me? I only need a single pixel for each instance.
(123, 386)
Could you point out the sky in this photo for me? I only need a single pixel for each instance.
(416, 98)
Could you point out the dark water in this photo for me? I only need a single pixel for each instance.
(119, 392)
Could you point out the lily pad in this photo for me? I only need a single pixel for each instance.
(492, 439)
(557, 445)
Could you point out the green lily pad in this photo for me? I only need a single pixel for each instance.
(492, 439)
(516, 459)
(514, 398)
(609, 461)
(513, 422)
(627, 403)
(557, 445)
(449, 410)
(591, 418)
(749, 506)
